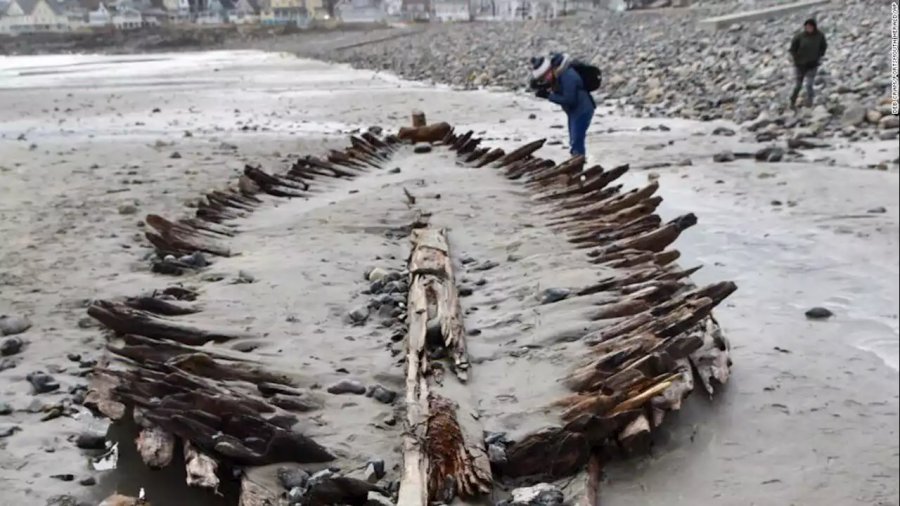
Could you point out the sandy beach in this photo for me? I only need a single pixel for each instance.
(91, 144)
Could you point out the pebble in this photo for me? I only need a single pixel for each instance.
(877, 210)
(5, 409)
(422, 148)
(8, 430)
(819, 313)
(90, 481)
(374, 470)
(359, 315)
(551, 295)
(727, 132)
(14, 324)
(382, 394)
(245, 277)
(11, 346)
(542, 494)
(91, 441)
(128, 209)
(175, 156)
(373, 498)
(770, 154)
(724, 156)
(347, 386)
(63, 477)
(376, 274)
(42, 382)
(292, 477)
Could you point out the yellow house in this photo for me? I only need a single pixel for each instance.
(23, 16)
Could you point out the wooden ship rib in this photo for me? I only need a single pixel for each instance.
(653, 339)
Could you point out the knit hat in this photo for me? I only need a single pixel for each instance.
(558, 60)
(539, 66)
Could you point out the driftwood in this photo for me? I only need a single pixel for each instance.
(429, 133)
(442, 458)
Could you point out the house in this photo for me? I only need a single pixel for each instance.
(451, 10)
(244, 12)
(284, 12)
(99, 17)
(360, 11)
(25, 16)
(176, 10)
(416, 10)
(215, 13)
(126, 17)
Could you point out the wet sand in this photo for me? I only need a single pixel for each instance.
(816, 423)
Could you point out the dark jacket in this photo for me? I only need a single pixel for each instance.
(569, 92)
(807, 49)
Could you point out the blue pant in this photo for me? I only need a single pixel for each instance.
(578, 127)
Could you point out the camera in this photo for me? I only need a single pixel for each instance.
(539, 85)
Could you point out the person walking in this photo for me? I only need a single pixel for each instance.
(557, 81)
(807, 49)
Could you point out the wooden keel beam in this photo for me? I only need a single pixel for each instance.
(444, 455)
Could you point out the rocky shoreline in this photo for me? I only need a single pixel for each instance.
(663, 64)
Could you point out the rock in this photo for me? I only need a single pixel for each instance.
(63, 477)
(382, 394)
(853, 115)
(724, 156)
(8, 430)
(41, 382)
(347, 386)
(496, 454)
(175, 156)
(128, 209)
(245, 277)
(14, 324)
(685, 163)
(887, 135)
(375, 499)
(376, 274)
(873, 117)
(292, 477)
(8, 363)
(485, 266)
(889, 122)
(11, 346)
(770, 154)
(727, 132)
(90, 481)
(91, 441)
(877, 210)
(819, 313)
(374, 470)
(551, 295)
(359, 315)
(195, 259)
(532, 116)
(542, 494)
(777, 203)
(5, 409)
(422, 148)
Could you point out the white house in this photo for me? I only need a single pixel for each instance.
(451, 10)
(99, 17)
(126, 17)
(361, 11)
(23, 16)
(178, 10)
(244, 12)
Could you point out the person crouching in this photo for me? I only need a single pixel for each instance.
(554, 80)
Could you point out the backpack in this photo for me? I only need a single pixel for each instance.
(590, 75)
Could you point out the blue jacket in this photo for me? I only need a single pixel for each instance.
(571, 95)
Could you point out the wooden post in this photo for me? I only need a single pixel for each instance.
(418, 119)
